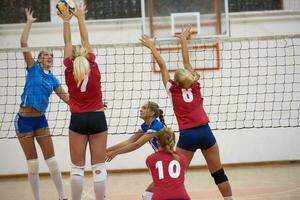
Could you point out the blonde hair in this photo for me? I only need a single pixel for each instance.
(44, 50)
(184, 78)
(81, 66)
(166, 140)
(157, 111)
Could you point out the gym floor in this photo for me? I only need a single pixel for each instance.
(263, 181)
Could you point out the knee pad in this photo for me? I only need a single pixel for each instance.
(219, 176)
(52, 164)
(77, 170)
(33, 166)
(147, 195)
(99, 172)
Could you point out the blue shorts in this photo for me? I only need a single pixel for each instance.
(200, 137)
(29, 124)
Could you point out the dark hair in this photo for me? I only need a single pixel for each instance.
(157, 111)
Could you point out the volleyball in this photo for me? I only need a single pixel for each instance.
(63, 4)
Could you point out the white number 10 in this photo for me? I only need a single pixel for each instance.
(173, 169)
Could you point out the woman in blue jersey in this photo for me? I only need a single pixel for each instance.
(149, 112)
(30, 122)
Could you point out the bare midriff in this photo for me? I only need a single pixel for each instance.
(29, 112)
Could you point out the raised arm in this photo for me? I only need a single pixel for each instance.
(66, 17)
(24, 37)
(145, 40)
(80, 12)
(184, 36)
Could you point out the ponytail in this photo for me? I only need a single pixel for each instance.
(80, 64)
(157, 111)
(166, 139)
(161, 117)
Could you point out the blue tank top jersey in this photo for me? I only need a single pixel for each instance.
(155, 126)
(38, 87)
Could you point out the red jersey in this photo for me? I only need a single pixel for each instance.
(88, 96)
(168, 175)
(187, 105)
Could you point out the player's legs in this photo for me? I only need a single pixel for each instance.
(97, 129)
(26, 141)
(24, 128)
(25, 132)
(188, 154)
(148, 193)
(202, 138)
(97, 144)
(44, 139)
(77, 144)
(150, 187)
(213, 161)
(188, 143)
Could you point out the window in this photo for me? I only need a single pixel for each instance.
(13, 11)
(111, 9)
(254, 5)
(206, 6)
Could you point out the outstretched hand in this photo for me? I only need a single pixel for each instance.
(145, 40)
(65, 14)
(185, 32)
(29, 15)
(80, 10)
(110, 155)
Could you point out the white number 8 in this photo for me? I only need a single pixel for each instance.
(173, 169)
(187, 95)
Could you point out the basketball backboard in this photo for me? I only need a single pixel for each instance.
(163, 19)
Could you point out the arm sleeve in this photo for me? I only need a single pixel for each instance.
(68, 62)
(142, 128)
(91, 57)
(33, 67)
(56, 82)
(168, 86)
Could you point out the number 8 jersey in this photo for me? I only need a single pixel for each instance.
(187, 105)
(168, 175)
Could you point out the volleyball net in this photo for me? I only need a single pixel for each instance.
(246, 83)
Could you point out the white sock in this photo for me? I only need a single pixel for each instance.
(99, 189)
(147, 195)
(228, 198)
(76, 186)
(56, 177)
(33, 177)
